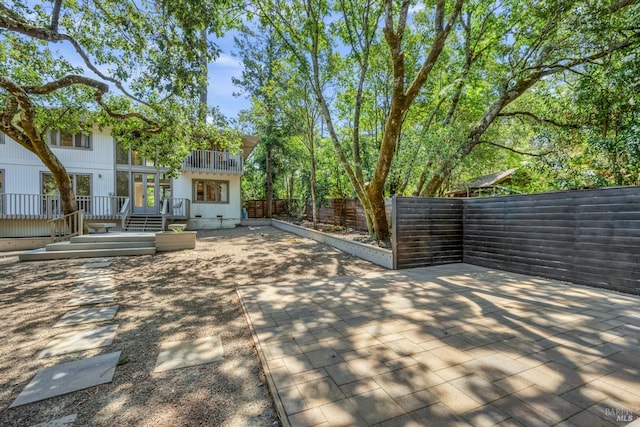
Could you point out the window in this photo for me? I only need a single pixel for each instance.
(64, 139)
(1, 138)
(122, 154)
(50, 199)
(208, 191)
(81, 184)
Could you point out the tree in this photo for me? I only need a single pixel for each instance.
(305, 28)
(150, 51)
(456, 71)
(513, 48)
(264, 78)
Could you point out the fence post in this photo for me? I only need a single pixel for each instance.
(394, 231)
(81, 223)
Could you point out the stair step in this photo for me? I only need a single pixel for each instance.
(42, 254)
(144, 223)
(141, 238)
(90, 246)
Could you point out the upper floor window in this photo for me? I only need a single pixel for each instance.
(63, 139)
(1, 138)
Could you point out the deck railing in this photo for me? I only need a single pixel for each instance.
(125, 211)
(67, 226)
(175, 209)
(214, 162)
(43, 206)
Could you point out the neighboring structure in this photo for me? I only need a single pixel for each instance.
(117, 185)
(487, 185)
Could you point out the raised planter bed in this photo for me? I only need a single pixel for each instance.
(173, 241)
(379, 256)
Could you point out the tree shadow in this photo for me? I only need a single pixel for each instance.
(167, 297)
(449, 344)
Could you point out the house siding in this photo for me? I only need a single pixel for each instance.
(205, 215)
(22, 175)
(23, 169)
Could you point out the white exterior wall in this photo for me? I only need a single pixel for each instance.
(22, 169)
(203, 216)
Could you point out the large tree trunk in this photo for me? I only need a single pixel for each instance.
(379, 215)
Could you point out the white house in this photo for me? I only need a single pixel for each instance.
(116, 185)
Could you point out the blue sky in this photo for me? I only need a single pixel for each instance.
(221, 88)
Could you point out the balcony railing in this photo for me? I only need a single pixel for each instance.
(42, 206)
(208, 161)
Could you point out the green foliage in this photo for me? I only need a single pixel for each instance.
(149, 53)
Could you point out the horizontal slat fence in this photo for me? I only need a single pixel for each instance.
(344, 212)
(590, 237)
(258, 208)
(426, 231)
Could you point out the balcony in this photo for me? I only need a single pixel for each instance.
(218, 162)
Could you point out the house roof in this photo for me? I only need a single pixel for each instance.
(484, 181)
(489, 180)
(249, 142)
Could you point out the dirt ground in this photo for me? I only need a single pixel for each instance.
(166, 297)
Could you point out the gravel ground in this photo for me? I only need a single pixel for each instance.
(166, 297)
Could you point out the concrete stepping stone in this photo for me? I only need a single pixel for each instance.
(94, 271)
(73, 341)
(94, 287)
(89, 299)
(97, 264)
(69, 377)
(67, 421)
(87, 315)
(182, 354)
(94, 279)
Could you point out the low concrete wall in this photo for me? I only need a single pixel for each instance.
(379, 256)
(23, 243)
(255, 222)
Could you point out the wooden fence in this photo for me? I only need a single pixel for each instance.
(590, 237)
(279, 207)
(426, 231)
(344, 212)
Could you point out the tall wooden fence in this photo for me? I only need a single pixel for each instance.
(590, 237)
(426, 231)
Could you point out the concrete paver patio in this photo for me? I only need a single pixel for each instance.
(447, 345)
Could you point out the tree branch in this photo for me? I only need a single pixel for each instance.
(55, 15)
(66, 81)
(50, 35)
(524, 153)
(539, 119)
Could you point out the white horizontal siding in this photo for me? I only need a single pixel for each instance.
(22, 169)
(182, 188)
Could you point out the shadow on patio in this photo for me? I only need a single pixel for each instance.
(448, 345)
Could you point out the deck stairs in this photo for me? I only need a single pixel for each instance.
(94, 246)
(144, 223)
